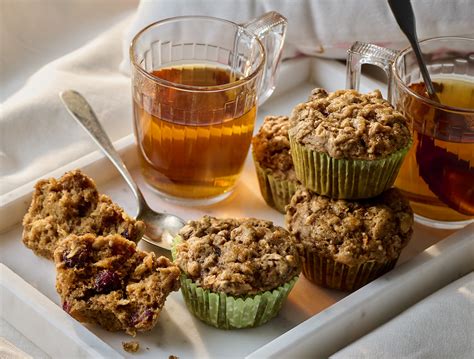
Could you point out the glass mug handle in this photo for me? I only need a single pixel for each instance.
(363, 53)
(270, 29)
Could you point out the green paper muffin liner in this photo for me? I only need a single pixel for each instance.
(228, 312)
(276, 192)
(345, 178)
(328, 273)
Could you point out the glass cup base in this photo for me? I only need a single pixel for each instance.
(442, 224)
(191, 202)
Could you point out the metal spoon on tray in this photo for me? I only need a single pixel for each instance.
(160, 227)
(403, 12)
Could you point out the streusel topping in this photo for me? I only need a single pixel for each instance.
(271, 147)
(348, 124)
(237, 256)
(351, 232)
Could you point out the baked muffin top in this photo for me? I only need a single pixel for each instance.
(348, 124)
(271, 147)
(237, 256)
(351, 232)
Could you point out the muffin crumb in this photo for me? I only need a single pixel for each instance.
(132, 346)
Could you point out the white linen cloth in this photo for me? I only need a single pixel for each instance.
(324, 28)
(12, 342)
(37, 134)
(440, 326)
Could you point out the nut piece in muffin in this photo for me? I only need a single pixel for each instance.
(349, 243)
(273, 162)
(108, 281)
(346, 144)
(246, 267)
(72, 205)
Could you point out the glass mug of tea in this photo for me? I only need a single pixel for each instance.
(437, 175)
(196, 82)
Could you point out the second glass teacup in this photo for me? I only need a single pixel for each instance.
(196, 82)
(437, 175)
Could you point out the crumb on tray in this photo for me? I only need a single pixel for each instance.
(132, 346)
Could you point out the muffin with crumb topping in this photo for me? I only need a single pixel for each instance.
(346, 244)
(236, 273)
(346, 144)
(273, 162)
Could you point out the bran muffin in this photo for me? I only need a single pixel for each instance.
(345, 243)
(236, 273)
(273, 163)
(72, 205)
(108, 281)
(346, 144)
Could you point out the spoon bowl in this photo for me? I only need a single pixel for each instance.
(161, 228)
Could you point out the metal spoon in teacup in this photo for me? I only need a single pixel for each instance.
(160, 227)
(403, 13)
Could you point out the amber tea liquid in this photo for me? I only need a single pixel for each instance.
(438, 173)
(194, 144)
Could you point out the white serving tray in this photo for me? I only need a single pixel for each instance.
(44, 323)
(298, 324)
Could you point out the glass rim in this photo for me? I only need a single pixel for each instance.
(194, 88)
(429, 101)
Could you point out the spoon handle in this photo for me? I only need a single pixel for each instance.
(82, 112)
(403, 12)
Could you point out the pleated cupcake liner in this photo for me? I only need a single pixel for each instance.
(228, 312)
(326, 272)
(224, 311)
(345, 178)
(276, 192)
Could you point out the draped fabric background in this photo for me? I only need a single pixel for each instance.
(321, 27)
(48, 46)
